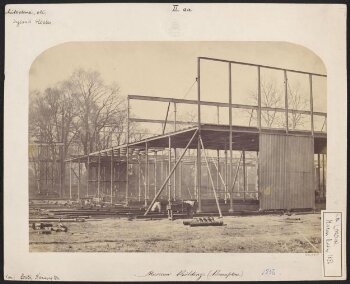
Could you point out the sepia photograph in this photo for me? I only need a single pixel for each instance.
(177, 147)
(175, 142)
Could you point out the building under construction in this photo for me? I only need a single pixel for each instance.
(223, 166)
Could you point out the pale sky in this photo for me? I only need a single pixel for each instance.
(168, 69)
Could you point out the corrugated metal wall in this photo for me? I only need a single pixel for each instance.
(286, 178)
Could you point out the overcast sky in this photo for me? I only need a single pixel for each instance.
(169, 69)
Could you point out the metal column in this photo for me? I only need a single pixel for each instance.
(155, 173)
(70, 179)
(169, 165)
(244, 176)
(311, 105)
(147, 175)
(139, 176)
(98, 175)
(286, 99)
(87, 175)
(199, 158)
(79, 180)
(112, 172)
(230, 139)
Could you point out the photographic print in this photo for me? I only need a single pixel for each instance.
(175, 142)
(150, 147)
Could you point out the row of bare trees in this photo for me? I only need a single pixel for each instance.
(77, 116)
(273, 98)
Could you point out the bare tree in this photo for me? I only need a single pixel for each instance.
(81, 113)
(273, 99)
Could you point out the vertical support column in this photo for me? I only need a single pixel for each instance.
(319, 175)
(87, 175)
(230, 140)
(217, 173)
(139, 176)
(199, 175)
(162, 168)
(311, 105)
(79, 179)
(98, 175)
(199, 158)
(147, 175)
(286, 99)
(175, 175)
(169, 166)
(127, 177)
(257, 175)
(259, 100)
(226, 179)
(155, 173)
(112, 171)
(127, 152)
(195, 189)
(218, 114)
(244, 176)
(180, 181)
(70, 179)
(323, 177)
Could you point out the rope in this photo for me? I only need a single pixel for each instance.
(188, 91)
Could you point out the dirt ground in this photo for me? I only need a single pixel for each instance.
(253, 234)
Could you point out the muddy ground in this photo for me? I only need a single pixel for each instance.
(253, 234)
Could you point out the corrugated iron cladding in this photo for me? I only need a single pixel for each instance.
(286, 176)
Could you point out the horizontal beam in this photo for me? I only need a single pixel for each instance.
(160, 121)
(262, 66)
(217, 104)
